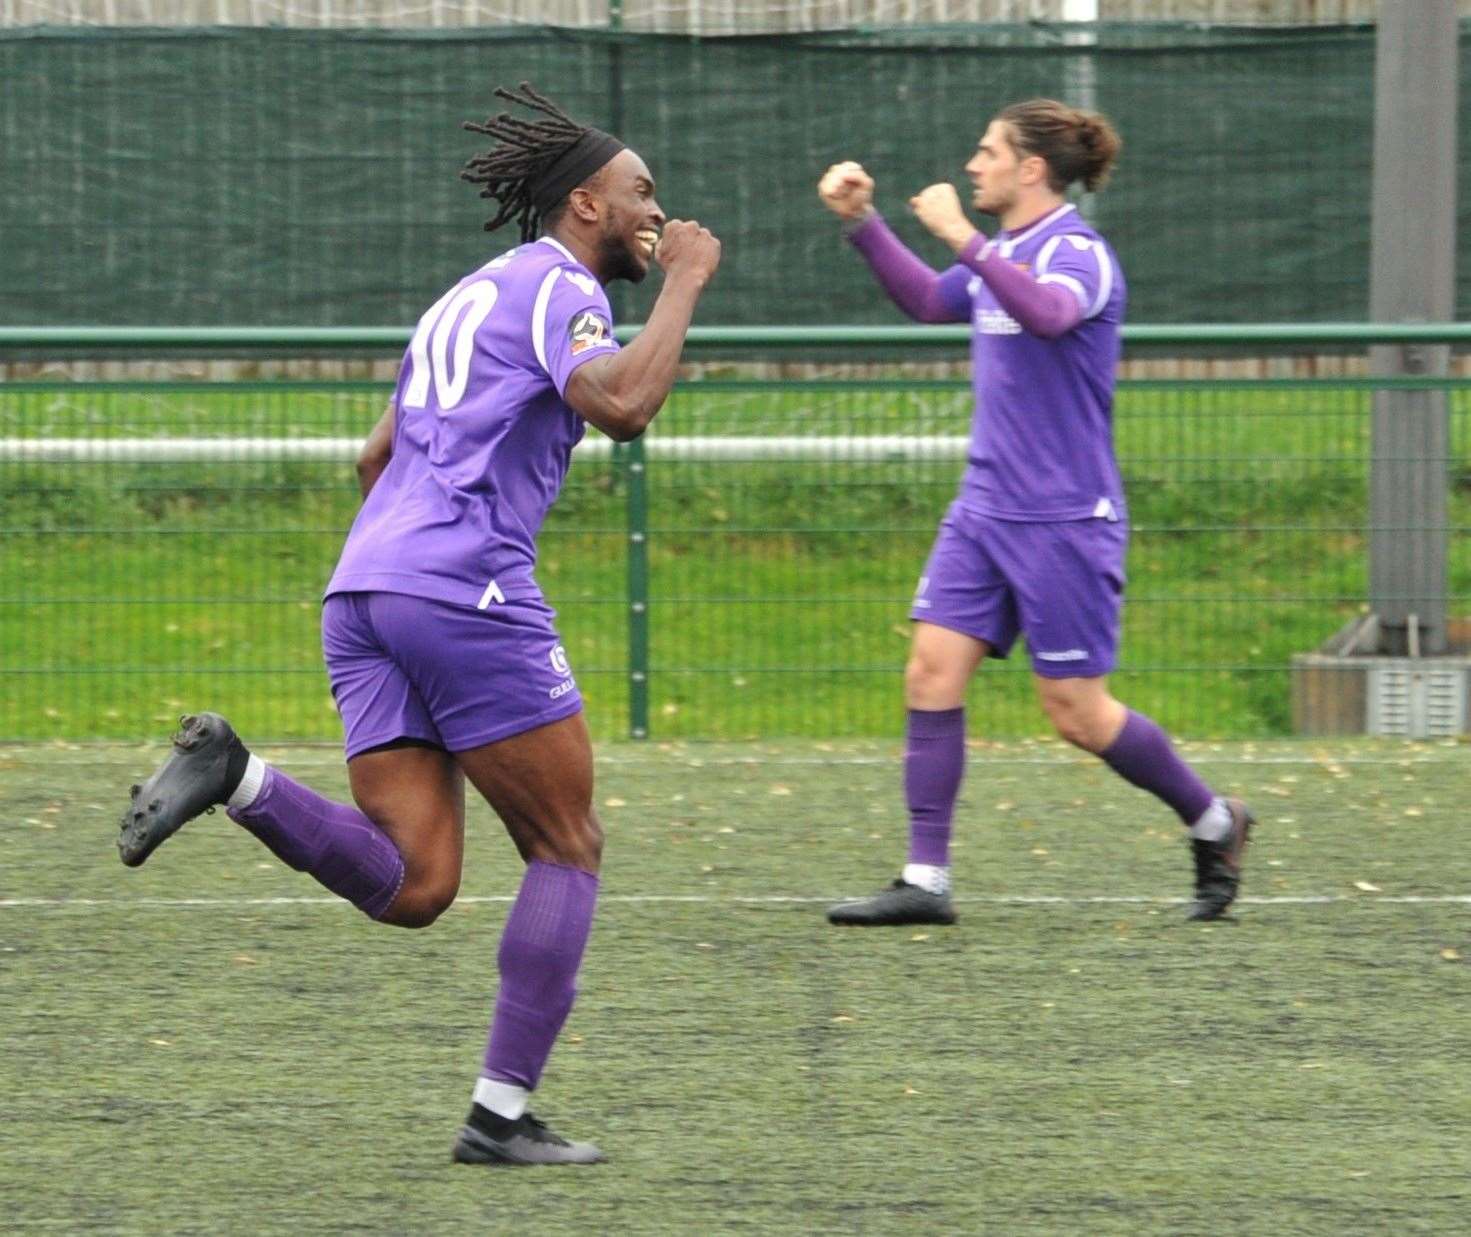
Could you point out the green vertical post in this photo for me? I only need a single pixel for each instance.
(633, 458)
(617, 294)
(636, 479)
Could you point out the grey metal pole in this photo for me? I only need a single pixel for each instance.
(1412, 279)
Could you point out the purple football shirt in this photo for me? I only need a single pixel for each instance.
(483, 436)
(1042, 431)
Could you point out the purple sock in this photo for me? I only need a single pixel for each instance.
(1143, 754)
(335, 843)
(540, 952)
(934, 764)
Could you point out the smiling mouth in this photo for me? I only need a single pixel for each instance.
(648, 240)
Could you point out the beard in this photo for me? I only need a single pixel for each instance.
(619, 261)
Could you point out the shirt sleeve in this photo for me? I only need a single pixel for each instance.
(1082, 265)
(571, 323)
(909, 280)
(953, 292)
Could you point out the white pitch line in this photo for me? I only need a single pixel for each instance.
(1457, 899)
(683, 759)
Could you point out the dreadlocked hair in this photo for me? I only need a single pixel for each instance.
(526, 149)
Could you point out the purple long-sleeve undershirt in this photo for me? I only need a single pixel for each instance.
(1045, 309)
(910, 282)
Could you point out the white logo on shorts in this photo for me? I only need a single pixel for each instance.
(919, 591)
(1065, 655)
(558, 658)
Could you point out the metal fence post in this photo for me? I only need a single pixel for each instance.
(638, 588)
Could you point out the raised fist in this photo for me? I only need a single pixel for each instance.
(938, 208)
(846, 190)
(687, 248)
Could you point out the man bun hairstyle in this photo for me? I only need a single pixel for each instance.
(1076, 145)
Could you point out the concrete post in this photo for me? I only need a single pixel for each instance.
(1412, 279)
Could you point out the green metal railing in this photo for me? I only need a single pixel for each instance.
(743, 570)
(1275, 336)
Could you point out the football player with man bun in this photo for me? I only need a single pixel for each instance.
(1034, 542)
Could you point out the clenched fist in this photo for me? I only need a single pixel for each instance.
(846, 190)
(938, 208)
(687, 248)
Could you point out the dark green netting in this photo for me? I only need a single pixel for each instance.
(209, 177)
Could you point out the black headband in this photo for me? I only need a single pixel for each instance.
(573, 166)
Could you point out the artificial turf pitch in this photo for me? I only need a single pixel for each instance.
(212, 1045)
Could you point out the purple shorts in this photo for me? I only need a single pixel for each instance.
(410, 668)
(1062, 584)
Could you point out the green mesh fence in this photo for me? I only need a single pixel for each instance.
(163, 548)
(242, 176)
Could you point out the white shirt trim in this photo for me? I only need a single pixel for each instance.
(539, 314)
(1043, 222)
(1044, 255)
(1077, 289)
(1105, 280)
(558, 246)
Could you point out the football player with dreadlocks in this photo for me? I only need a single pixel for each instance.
(441, 651)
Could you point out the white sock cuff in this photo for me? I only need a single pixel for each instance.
(928, 876)
(505, 1099)
(250, 783)
(1214, 823)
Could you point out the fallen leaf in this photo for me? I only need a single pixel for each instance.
(1367, 887)
(615, 802)
(1450, 955)
(920, 936)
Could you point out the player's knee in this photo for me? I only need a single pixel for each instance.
(926, 681)
(423, 900)
(1074, 724)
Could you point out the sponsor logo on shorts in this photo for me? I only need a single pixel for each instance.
(560, 666)
(1065, 655)
(589, 330)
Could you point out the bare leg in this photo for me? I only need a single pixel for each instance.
(540, 783)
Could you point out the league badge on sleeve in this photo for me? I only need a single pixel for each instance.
(587, 330)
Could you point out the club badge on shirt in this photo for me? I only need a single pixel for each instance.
(589, 330)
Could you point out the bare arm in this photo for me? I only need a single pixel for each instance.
(621, 393)
(374, 456)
